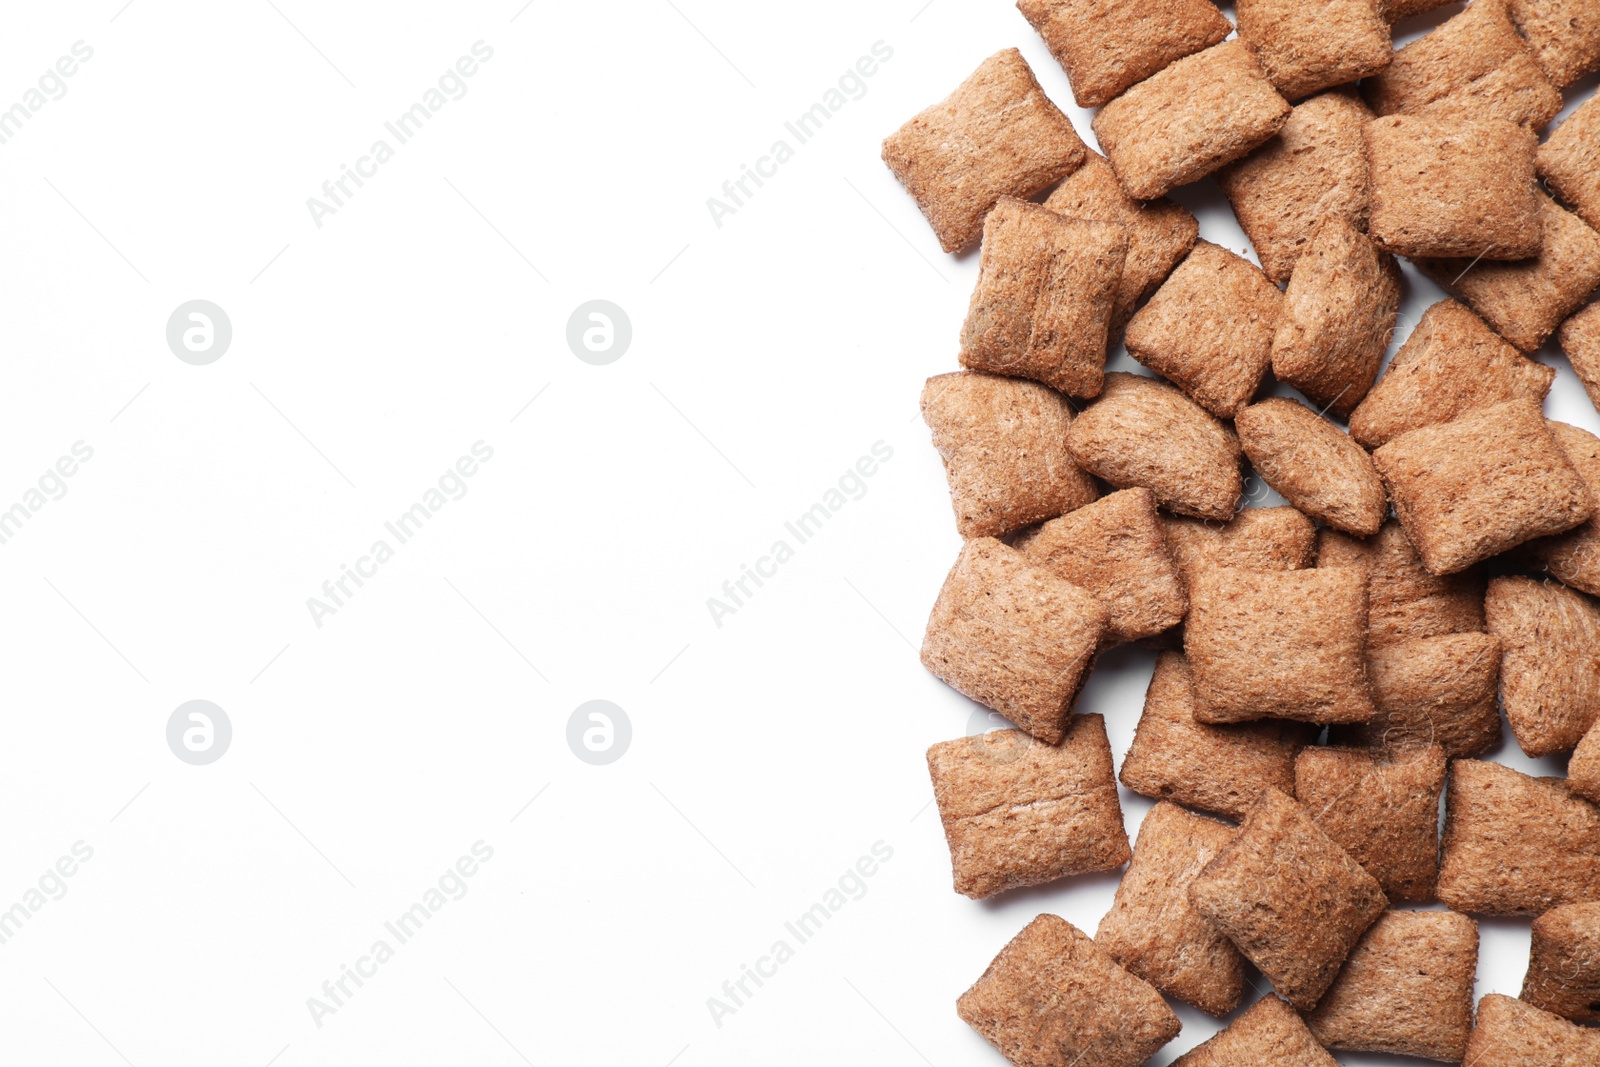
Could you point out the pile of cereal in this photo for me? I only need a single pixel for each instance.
(1439, 561)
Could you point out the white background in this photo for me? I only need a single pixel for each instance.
(769, 354)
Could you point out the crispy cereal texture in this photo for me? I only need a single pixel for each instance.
(1569, 162)
(1282, 645)
(1574, 557)
(1115, 549)
(1143, 432)
(1583, 770)
(1293, 901)
(1404, 601)
(1488, 481)
(1453, 186)
(1451, 364)
(1053, 998)
(1432, 690)
(1382, 807)
(1209, 329)
(1019, 812)
(1513, 1034)
(1256, 539)
(1406, 989)
(1564, 36)
(1314, 464)
(1154, 932)
(1549, 663)
(996, 135)
(1004, 446)
(1105, 46)
(1043, 300)
(1271, 1032)
(1564, 964)
(1580, 340)
(1160, 232)
(1526, 301)
(1014, 637)
(1516, 845)
(1223, 769)
(1304, 47)
(1201, 113)
(1474, 64)
(1338, 314)
(1315, 166)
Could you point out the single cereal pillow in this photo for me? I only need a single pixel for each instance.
(1152, 929)
(1115, 549)
(1004, 446)
(1574, 557)
(1338, 314)
(1314, 464)
(1209, 329)
(1293, 901)
(1580, 341)
(1279, 645)
(1142, 432)
(1179, 125)
(1315, 166)
(1382, 807)
(1451, 364)
(1449, 186)
(1043, 300)
(1516, 845)
(1256, 539)
(1404, 601)
(1549, 661)
(1474, 487)
(1564, 963)
(996, 135)
(1511, 1033)
(1019, 812)
(1271, 1032)
(1583, 770)
(1014, 637)
(1160, 232)
(1107, 45)
(1564, 36)
(1526, 301)
(1053, 998)
(1569, 162)
(1406, 988)
(1304, 48)
(1432, 690)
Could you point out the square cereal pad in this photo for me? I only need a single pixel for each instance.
(1404, 601)
(1306, 47)
(1432, 691)
(1569, 162)
(1255, 539)
(1513, 1034)
(1564, 36)
(1549, 662)
(1314, 464)
(1271, 1032)
(1105, 46)
(1564, 963)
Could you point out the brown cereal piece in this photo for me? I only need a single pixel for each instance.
(1314, 464)
(1105, 46)
(1315, 166)
(1223, 769)
(1564, 36)
(1574, 557)
(1511, 1033)
(1406, 988)
(1017, 813)
(1473, 64)
(1516, 845)
(1256, 539)
(1583, 770)
(1003, 442)
(1271, 1032)
(1580, 340)
(1154, 932)
(1404, 601)
(1338, 314)
(1382, 807)
(1569, 162)
(1053, 998)
(1526, 301)
(1396, 10)
(1449, 186)
(1115, 549)
(1142, 432)
(1209, 329)
(996, 135)
(1474, 487)
(1202, 112)
(1304, 48)
(1564, 963)
(1282, 645)
(1549, 661)
(1432, 690)
(1451, 363)
(1014, 637)
(1292, 900)
(1160, 232)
